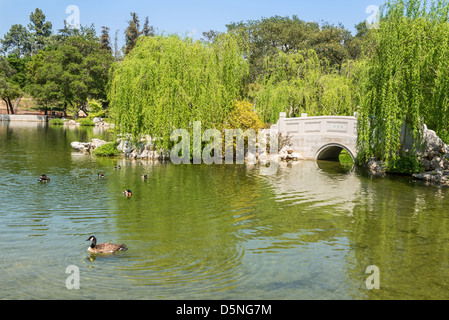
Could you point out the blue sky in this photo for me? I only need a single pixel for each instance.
(184, 17)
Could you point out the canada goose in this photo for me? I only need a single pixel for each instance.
(127, 193)
(144, 177)
(44, 178)
(101, 175)
(104, 247)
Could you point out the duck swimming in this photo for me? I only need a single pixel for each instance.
(144, 177)
(104, 247)
(118, 167)
(44, 178)
(127, 193)
(101, 175)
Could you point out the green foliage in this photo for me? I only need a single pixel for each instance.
(407, 79)
(105, 40)
(69, 74)
(407, 164)
(86, 123)
(269, 36)
(345, 157)
(11, 81)
(96, 109)
(56, 122)
(298, 82)
(40, 29)
(166, 83)
(17, 40)
(133, 32)
(244, 117)
(107, 150)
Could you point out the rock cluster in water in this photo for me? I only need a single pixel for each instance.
(88, 146)
(99, 122)
(434, 157)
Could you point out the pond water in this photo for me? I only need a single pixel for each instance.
(310, 231)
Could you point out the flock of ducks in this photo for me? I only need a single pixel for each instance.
(101, 248)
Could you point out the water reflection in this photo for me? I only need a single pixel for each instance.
(211, 232)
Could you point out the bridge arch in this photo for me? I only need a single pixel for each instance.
(331, 152)
(319, 138)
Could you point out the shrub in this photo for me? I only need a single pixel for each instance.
(107, 150)
(56, 122)
(244, 117)
(405, 164)
(87, 123)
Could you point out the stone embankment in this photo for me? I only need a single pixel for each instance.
(434, 158)
(145, 149)
(99, 122)
(88, 146)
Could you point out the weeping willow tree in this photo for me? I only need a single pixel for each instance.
(298, 83)
(167, 83)
(406, 83)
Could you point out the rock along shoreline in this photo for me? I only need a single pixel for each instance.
(434, 157)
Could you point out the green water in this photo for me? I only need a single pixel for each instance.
(211, 232)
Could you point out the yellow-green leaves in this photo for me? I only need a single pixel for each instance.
(406, 81)
(166, 83)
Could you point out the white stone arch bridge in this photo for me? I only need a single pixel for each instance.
(320, 138)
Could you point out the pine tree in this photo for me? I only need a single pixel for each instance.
(40, 29)
(105, 40)
(132, 33)
(147, 29)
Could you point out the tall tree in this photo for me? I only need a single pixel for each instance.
(39, 28)
(166, 83)
(148, 30)
(407, 79)
(132, 32)
(69, 74)
(105, 40)
(298, 83)
(269, 36)
(8, 90)
(17, 40)
(13, 80)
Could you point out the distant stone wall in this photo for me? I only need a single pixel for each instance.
(24, 118)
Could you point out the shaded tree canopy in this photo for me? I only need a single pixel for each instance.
(70, 74)
(269, 36)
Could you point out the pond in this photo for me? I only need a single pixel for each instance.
(310, 231)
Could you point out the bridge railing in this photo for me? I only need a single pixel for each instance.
(323, 125)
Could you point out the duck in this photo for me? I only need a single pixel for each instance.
(101, 175)
(44, 178)
(127, 193)
(145, 177)
(104, 247)
(118, 167)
